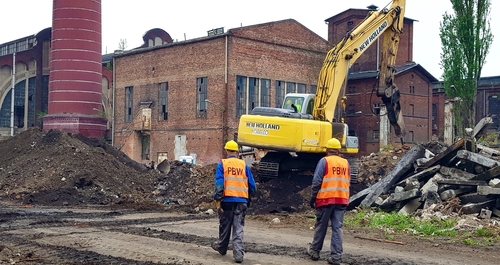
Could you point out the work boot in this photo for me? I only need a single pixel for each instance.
(312, 253)
(333, 261)
(238, 259)
(215, 246)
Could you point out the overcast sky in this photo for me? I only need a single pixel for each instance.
(127, 19)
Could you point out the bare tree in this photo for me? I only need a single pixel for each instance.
(122, 44)
(466, 38)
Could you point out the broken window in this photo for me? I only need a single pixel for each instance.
(201, 96)
(434, 116)
(494, 109)
(376, 108)
(253, 93)
(129, 103)
(265, 93)
(241, 95)
(280, 94)
(163, 101)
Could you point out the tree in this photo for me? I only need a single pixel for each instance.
(122, 44)
(466, 38)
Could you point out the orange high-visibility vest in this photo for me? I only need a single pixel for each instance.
(235, 178)
(336, 179)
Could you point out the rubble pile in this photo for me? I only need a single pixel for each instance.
(464, 178)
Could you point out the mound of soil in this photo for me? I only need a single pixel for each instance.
(55, 168)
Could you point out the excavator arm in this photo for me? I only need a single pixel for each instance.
(330, 100)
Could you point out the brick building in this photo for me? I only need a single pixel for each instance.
(487, 104)
(197, 89)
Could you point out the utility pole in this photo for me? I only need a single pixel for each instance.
(13, 92)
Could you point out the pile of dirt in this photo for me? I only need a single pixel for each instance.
(56, 168)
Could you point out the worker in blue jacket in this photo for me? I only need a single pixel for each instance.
(234, 184)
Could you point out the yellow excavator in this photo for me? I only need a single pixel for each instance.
(295, 135)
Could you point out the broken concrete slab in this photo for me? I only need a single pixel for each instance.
(495, 183)
(432, 184)
(475, 208)
(421, 175)
(461, 182)
(484, 214)
(403, 167)
(446, 154)
(473, 198)
(477, 158)
(487, 175)
(487, 190)
(449, 194)
(456, 173)
(412, 184)
(411, 206)
(406, 195)
(430, 198)
(481, 124)
(488, 150)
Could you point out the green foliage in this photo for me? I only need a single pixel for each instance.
(470, 241)
(401, 222)
(392, 223)
(42, 114)
(466, 38)
(387, 148)
(488, 140)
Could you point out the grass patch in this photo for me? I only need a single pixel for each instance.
(401, 222)
(393, 222)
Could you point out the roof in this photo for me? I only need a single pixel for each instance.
(107, 58)
(356, 11)
(399, 69)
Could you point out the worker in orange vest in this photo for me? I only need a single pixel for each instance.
(234, 184)
(330, 196)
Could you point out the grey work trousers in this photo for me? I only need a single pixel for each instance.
(333, 214)
(232, 218)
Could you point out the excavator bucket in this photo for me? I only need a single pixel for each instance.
(164, 166)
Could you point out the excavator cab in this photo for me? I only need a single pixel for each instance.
(300, 103)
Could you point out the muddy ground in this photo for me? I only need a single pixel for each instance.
(67, 199)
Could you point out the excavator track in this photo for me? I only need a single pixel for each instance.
(281, 164)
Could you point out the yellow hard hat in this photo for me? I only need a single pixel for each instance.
(231, 146)
(333, 144)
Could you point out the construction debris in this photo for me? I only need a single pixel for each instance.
(462, 176)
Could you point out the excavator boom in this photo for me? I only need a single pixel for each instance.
(330, 92)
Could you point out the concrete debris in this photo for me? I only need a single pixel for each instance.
(461, 179)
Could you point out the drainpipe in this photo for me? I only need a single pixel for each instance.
(13, 93)
(113, 107)
(225, 121)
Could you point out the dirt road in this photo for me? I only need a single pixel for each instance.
(86, 236)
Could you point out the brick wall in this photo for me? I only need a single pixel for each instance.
(283, 50)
